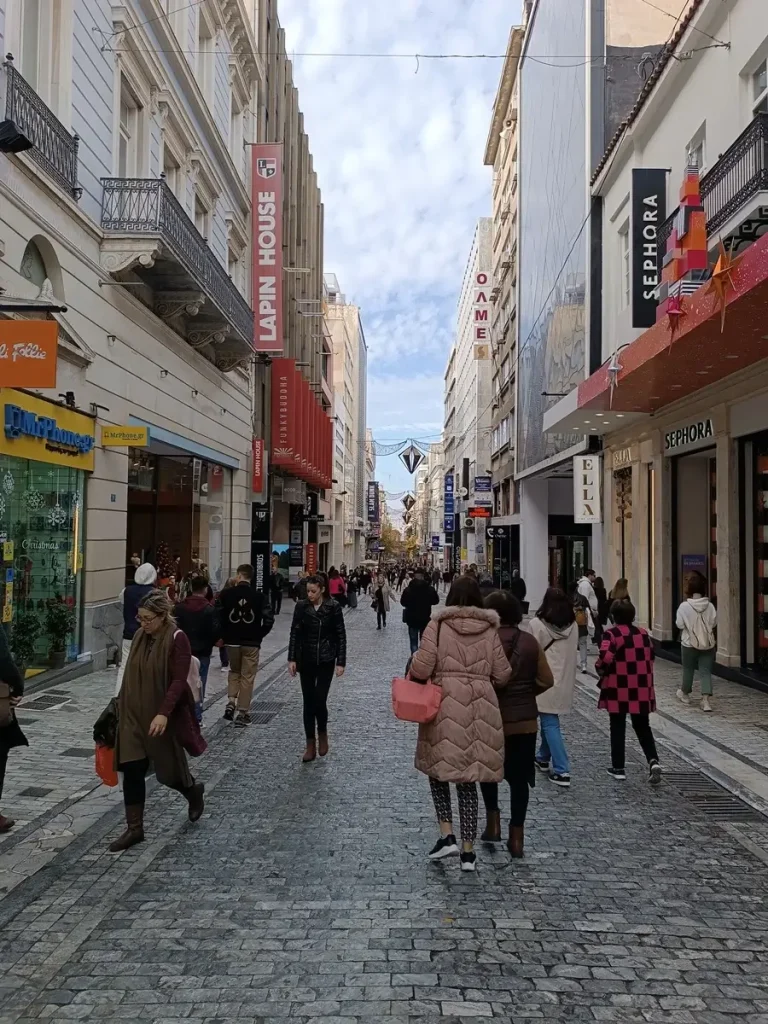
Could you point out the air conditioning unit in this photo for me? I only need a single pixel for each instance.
(469, 524)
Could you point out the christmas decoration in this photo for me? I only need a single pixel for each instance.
(412, 458)
(164, 564)
(2, 506)
(676, 313)
(721, 280)
(56, 517)
(409, 501)
(34, 500)
(686, 262)
(8, 482)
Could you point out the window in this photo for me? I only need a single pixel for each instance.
(505, 431)
(496, 438)
(128, 162)
(30, 42)
(235, 267)
(760, 89)
(626, 264)
(504, 370)
(172, 172)
(695, 151)
(202, 217)
(206, 53)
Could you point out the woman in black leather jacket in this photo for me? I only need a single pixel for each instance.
(11, 692)
(317, 648)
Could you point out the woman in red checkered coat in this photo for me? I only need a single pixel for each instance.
(625, 668)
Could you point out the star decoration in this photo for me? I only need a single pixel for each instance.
(614, 369)
(676, 313)
(721, 280)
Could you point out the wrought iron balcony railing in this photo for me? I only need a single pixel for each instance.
(145, 206)
(739, 174)
(54, 149)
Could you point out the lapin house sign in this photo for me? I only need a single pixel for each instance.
(481, 332)
(649, 206)
(587, 506)
(302, 439)
(268, 247)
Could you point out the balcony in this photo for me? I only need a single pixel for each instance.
(52, 147)
(152, 242)
(734, 191)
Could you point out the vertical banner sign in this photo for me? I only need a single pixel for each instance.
(267, 189)
(311, 560)
(257, 471)
(448, 506)
(260, 547)
(298, 447)
(435, 541)
(587, 504)
(296, 536)
(283, 415)
(483, 492)
(373, 501)
(649, 211)
(481, 316)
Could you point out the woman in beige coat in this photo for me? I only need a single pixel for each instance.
(462, 652)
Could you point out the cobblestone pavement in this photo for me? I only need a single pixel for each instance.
(304, 893)
(51, 789)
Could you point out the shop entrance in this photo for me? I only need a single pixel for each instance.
(569, 552)
(695, 521)
(179, 514)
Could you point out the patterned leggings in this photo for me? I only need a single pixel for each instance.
(441, 795)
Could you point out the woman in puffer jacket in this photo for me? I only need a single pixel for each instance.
(461, 651)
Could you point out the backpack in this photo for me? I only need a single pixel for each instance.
(702, 637)
(581, 615)
(193, 676)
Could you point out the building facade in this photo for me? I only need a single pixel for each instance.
(681, 398)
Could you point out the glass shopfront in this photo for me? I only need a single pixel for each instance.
(42, 528)
(179, 514)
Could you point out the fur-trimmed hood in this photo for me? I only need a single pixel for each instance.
(468, 621)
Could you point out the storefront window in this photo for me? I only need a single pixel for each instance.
(41, 543)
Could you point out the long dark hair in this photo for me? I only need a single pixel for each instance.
(464, 593)
(506, 604)
(556, 609)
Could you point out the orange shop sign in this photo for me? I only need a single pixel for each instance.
(28, 353)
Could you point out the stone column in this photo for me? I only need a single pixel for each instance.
(534, 538)
(663, 612)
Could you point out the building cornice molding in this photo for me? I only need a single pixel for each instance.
(504, 93)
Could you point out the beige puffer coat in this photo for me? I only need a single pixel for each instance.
(465, 743)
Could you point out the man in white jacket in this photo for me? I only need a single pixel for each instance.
(586, 589)
(696, 620)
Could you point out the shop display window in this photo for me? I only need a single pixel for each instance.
(41, 544)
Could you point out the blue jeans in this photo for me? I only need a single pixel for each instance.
(414, 635)
(552, 745)
(205, 664)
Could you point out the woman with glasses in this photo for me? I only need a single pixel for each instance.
(156, 716)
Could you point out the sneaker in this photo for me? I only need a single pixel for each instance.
(543, 766)
(444, 847)
(683, 697)
(654, 773)
(243, 719)
(617, 773)
(229, 713)
(225, 668)
(560, 780)
(468, 862)
(705, 704)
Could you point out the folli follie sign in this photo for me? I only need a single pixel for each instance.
(28, 353)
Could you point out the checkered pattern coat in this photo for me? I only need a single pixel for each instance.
(625, 667)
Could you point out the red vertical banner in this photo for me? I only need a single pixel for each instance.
(267, 200)
(310, 558)
(283, 392)
(317, 445)
(257, 471)
(305, 426)
(297, 422)
(313, 440)
(328, 431)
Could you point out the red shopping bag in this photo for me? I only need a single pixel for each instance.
(105, 764)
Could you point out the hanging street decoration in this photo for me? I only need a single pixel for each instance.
(721, 280)
(686, 261)
(412, 458)
(676, 313)
(409, 501)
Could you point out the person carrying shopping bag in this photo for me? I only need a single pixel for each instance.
(464, 744)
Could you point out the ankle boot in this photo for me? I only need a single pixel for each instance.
(195, 800)
(310, 753)
(322, 744)
(492, 832)
(515, 841)
(134, 829)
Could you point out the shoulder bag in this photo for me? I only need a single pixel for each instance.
(417, 702)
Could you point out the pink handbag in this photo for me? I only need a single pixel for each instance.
(416, 702)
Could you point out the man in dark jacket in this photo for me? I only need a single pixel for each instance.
(245, 616)
(418, 599)
(197, 617)
(11, 692)
(276, 583)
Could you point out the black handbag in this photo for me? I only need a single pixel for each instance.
(105, 728)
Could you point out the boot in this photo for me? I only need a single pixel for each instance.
(6, 824)
(310, 753)
(322, 746)
(515, 841)
(134, 830)
(195, 800)
(492, 832)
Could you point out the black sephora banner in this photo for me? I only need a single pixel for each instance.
(649, 211)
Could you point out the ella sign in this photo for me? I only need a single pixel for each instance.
(587, 504)
(649, 210)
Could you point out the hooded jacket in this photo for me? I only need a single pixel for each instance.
(197, 618)
(418, 599)
(560, 647)
(465, 742)
(696, 619)
(530, 676)
(586, 589)
(245, 615)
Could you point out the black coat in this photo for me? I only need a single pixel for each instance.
(198, 619)
(245, 615)
(318, 635)
(10, 736)
(418, 599)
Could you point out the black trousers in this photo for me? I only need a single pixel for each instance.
(381, 617)
(519, 773)
(3, 763)
(643, 731)
(277, 601)
(134, 784)
(315, 684)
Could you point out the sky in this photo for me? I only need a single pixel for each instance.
(398, 147)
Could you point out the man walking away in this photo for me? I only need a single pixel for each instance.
(276, 582)
(418, 599)
(197, 617)
(246, 618)
(586, 587)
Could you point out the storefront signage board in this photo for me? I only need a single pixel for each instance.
(268, 247)
(124, 437)
(448, 504)
(260, 545)
(649, 206)
(587, 504)
(257, 466)
(622, 458)
(435, 541)
(28, 353)
(372, 501)
(483, 492)
(687, 437)
(44, 432)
